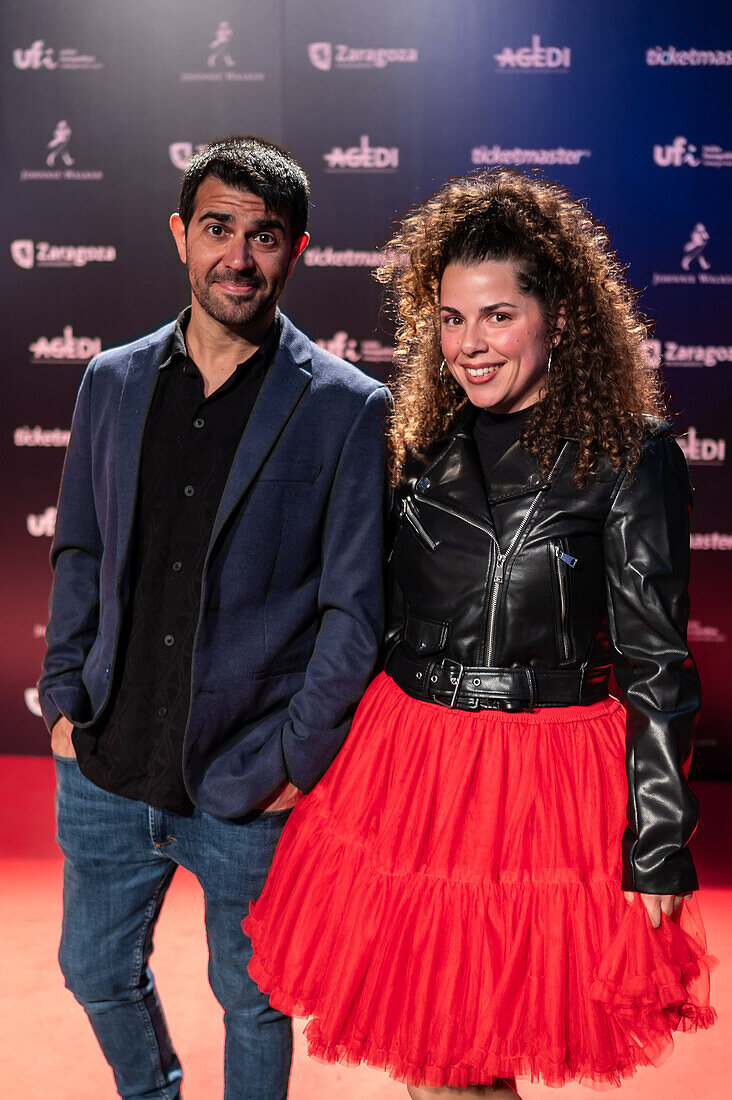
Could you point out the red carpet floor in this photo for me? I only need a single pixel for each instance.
(46, 1045)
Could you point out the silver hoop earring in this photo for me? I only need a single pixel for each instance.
(549, 363)
(443, 364)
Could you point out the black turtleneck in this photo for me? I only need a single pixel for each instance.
(494, 433)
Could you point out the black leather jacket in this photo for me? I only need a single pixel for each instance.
(523, 593)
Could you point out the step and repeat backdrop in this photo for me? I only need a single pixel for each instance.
(626, 104)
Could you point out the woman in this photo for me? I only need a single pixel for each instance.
(461, 900)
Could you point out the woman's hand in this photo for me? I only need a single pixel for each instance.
(657, 904)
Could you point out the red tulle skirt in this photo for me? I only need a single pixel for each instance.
(446, 903)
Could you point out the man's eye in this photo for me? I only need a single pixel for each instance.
(216, 230)
(265, 238)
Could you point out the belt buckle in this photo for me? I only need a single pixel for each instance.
(456, 671)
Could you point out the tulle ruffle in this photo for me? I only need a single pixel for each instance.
(411, 920)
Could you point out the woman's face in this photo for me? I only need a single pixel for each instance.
(494, 339)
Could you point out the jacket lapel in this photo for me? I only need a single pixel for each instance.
(517, 472)
(455, 479)
(137, 391)
(286, 381)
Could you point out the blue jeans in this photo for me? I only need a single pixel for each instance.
(120, 858)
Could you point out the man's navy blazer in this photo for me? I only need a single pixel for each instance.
(291, 613)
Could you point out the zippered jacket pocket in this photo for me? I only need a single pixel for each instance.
(562, 563)
(409, 513)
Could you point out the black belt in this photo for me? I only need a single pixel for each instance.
(454, 685)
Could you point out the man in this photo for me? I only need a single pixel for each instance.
(215, 615)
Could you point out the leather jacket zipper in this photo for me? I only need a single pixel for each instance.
(499, 572)
(562, 558)
(410, 515)
(458, 515)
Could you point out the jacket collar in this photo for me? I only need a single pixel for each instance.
(456, 476)
(285, 382)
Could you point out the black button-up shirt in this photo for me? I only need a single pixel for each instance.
(188, 446)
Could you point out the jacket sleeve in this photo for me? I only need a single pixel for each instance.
(350, 602)
(75, 560)
(646, 547)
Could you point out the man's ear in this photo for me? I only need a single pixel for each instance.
(178, 229)
(297, 250)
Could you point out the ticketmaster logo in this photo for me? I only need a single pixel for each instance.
(41, 437)
(363, 157)
(714, 540)
(26, 254)
(325, 56)
(345, 257)
(671, 56)
(495, 154)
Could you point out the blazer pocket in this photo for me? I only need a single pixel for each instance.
(303, 472)
(285, 664)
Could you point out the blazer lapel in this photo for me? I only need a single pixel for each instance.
(286, 381)
(137, 391)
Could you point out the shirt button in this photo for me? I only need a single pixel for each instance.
(177, 566)
(163, 712)
(199, 422)
(169, 639)
(189, 490)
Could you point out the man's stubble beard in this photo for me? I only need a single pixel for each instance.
(234, 314)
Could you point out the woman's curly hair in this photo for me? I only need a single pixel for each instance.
(600, 383)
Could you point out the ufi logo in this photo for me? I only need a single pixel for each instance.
(681, 153)
(357, 351)
(43, 524)
(40, 56)
(675, 155)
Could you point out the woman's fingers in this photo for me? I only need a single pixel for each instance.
(657, 904)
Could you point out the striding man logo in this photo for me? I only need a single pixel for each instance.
(321, 55)
(58, 146)
(694, 248)
(219, 47)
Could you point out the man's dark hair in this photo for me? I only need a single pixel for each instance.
(251, 163)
